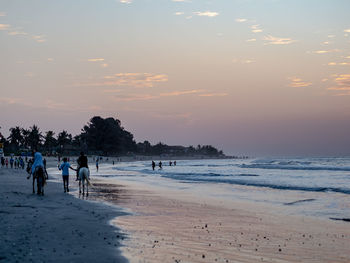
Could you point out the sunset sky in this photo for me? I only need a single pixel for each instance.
(257, 77)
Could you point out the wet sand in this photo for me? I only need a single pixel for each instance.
(167, 227)
(53, 228)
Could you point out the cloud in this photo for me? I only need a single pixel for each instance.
(29, 75)
(178, 93)
(112, 90)
(179, 13)
(213, 95)
(95, 59)
(338, 64)
(104, 65)
(39, 38)
(2, 14)
(207, 13)
(298, 83)
(137, 80)
(17, 33)
(125, 1)
(325, 51)
(256, 29)
(342, 83)
(241, 20)
(347, 30)
(50, 104)
(278, 41)
(244, 61)
(136, 97)
(180, 0)
(8, 100)
(4, 26)
(251, 40)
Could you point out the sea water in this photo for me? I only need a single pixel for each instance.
(318, 187)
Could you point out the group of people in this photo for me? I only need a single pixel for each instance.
(16, 163)
(160, 164)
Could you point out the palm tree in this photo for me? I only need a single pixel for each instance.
(15, 138)
(35, 137)
(49, 141)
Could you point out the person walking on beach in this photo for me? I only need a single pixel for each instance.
(153, 165)
(160, 164)
(21, 162)
(2, 161)
(11, 162)
(7, 162)
(97, 165)
(65, 166)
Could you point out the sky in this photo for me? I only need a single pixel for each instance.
(253, 77)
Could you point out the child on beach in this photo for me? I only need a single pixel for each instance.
(65, 166)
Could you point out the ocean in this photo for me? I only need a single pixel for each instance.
(317, 187)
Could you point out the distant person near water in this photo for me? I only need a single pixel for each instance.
(160, 165)
(65, 166)
(174, 163)
(97, 165)
(153, 165)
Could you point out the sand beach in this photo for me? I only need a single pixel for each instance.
(167, 227)
(56, 227)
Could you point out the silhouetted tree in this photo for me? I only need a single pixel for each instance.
(107, 136)
(35, 137)
(15, 139)
(50, 142)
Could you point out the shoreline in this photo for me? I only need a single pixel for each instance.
(56, 226)
(164, 227)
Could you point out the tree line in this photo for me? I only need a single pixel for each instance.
(100, 136)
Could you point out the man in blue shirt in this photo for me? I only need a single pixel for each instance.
(65, 166)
